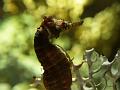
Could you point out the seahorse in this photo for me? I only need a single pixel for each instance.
(55, 61)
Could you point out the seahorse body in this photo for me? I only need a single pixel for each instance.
(56, 65)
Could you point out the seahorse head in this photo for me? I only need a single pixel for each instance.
(54, 26)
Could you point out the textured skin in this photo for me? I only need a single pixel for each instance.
(56, 65)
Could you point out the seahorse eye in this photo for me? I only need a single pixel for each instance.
(65, 25)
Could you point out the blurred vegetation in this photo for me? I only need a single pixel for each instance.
(98, 73)
(20, 18)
